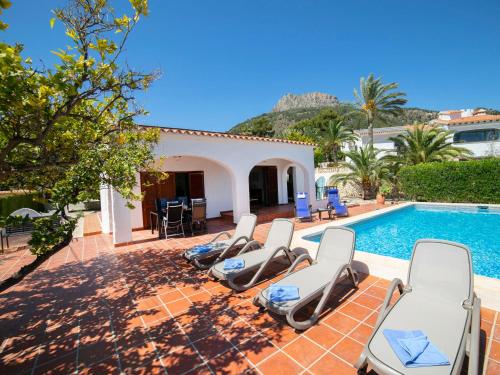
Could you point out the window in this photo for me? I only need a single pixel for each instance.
(483, 135)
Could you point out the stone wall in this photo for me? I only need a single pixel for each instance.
(349, 190)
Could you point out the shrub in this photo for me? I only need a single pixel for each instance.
(46, 235)
(474, 181)
(12, 202)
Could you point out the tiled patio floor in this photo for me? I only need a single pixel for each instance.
(92, 308)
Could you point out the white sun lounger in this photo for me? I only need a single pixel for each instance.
(332, 263)
(439, 300)
(276, 248)
(243, 234)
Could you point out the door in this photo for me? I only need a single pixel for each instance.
(152, 190)
(196, 185)
(272, 186)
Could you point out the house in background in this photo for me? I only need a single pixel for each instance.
(472, 129)
(231, 171)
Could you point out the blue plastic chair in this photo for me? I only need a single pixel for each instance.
(302, 207)
(334, 202)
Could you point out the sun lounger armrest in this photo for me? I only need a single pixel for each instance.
(474, 337)
(396, 283)
(327, 291)
(220, 235)
(286, 250)
(232, 244)
(248, 246)
(299, 260)
(262, 268)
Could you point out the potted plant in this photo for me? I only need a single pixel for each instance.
(384, 189)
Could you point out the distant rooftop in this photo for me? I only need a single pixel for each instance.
(469, 120)
(465, 116)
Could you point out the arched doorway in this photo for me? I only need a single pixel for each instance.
(263, 186)
(273, 185)
(290, 184)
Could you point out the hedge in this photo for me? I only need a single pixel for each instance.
(10, 203)
(474, 181)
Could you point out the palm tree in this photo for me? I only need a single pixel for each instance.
(366, 170)
(335, 136)
(377, 99)
(424, 144)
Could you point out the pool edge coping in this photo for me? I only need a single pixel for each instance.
(487, 288)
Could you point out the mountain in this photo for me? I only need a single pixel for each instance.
(291, 109)
(309, 100)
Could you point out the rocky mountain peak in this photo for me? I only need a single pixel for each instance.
(308, 100)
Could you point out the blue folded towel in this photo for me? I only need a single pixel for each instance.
(414, 349)
(234, 264)
(283, 293)
(200, 249)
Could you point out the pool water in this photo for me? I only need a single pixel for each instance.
(394, 234)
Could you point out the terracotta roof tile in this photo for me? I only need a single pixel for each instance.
(470, 120)
(207, 133)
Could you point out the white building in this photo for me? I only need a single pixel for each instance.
(228, 170)
(472, 129)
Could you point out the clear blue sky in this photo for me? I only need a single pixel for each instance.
(224, 61)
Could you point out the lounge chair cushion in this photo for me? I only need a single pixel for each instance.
(442, 322)
(309, 280)
(252, 259)
(190, 254)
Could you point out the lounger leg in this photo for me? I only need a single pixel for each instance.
(353, 275)
(303, 325)
(200, 265)
(474, 338)
(362, 364)
(257, 303)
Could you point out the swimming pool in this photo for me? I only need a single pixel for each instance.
(394, 233)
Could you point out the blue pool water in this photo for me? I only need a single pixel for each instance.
(394, 234)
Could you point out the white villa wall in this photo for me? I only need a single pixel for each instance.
(227, 163)
(482, 148)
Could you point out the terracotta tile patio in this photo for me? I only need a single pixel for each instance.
(93, 308)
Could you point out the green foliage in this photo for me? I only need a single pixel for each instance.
(4, 4)
(260, 127)
(385, 188)
(366, 170)
(474, 181)
(314, 126)
(328, 130)
(282, 121)
(66, 130)
(377, 100)
(10, 203)
(423, 144)
(294, 135)
(334, 137)
(13, 220)
(46, 234)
